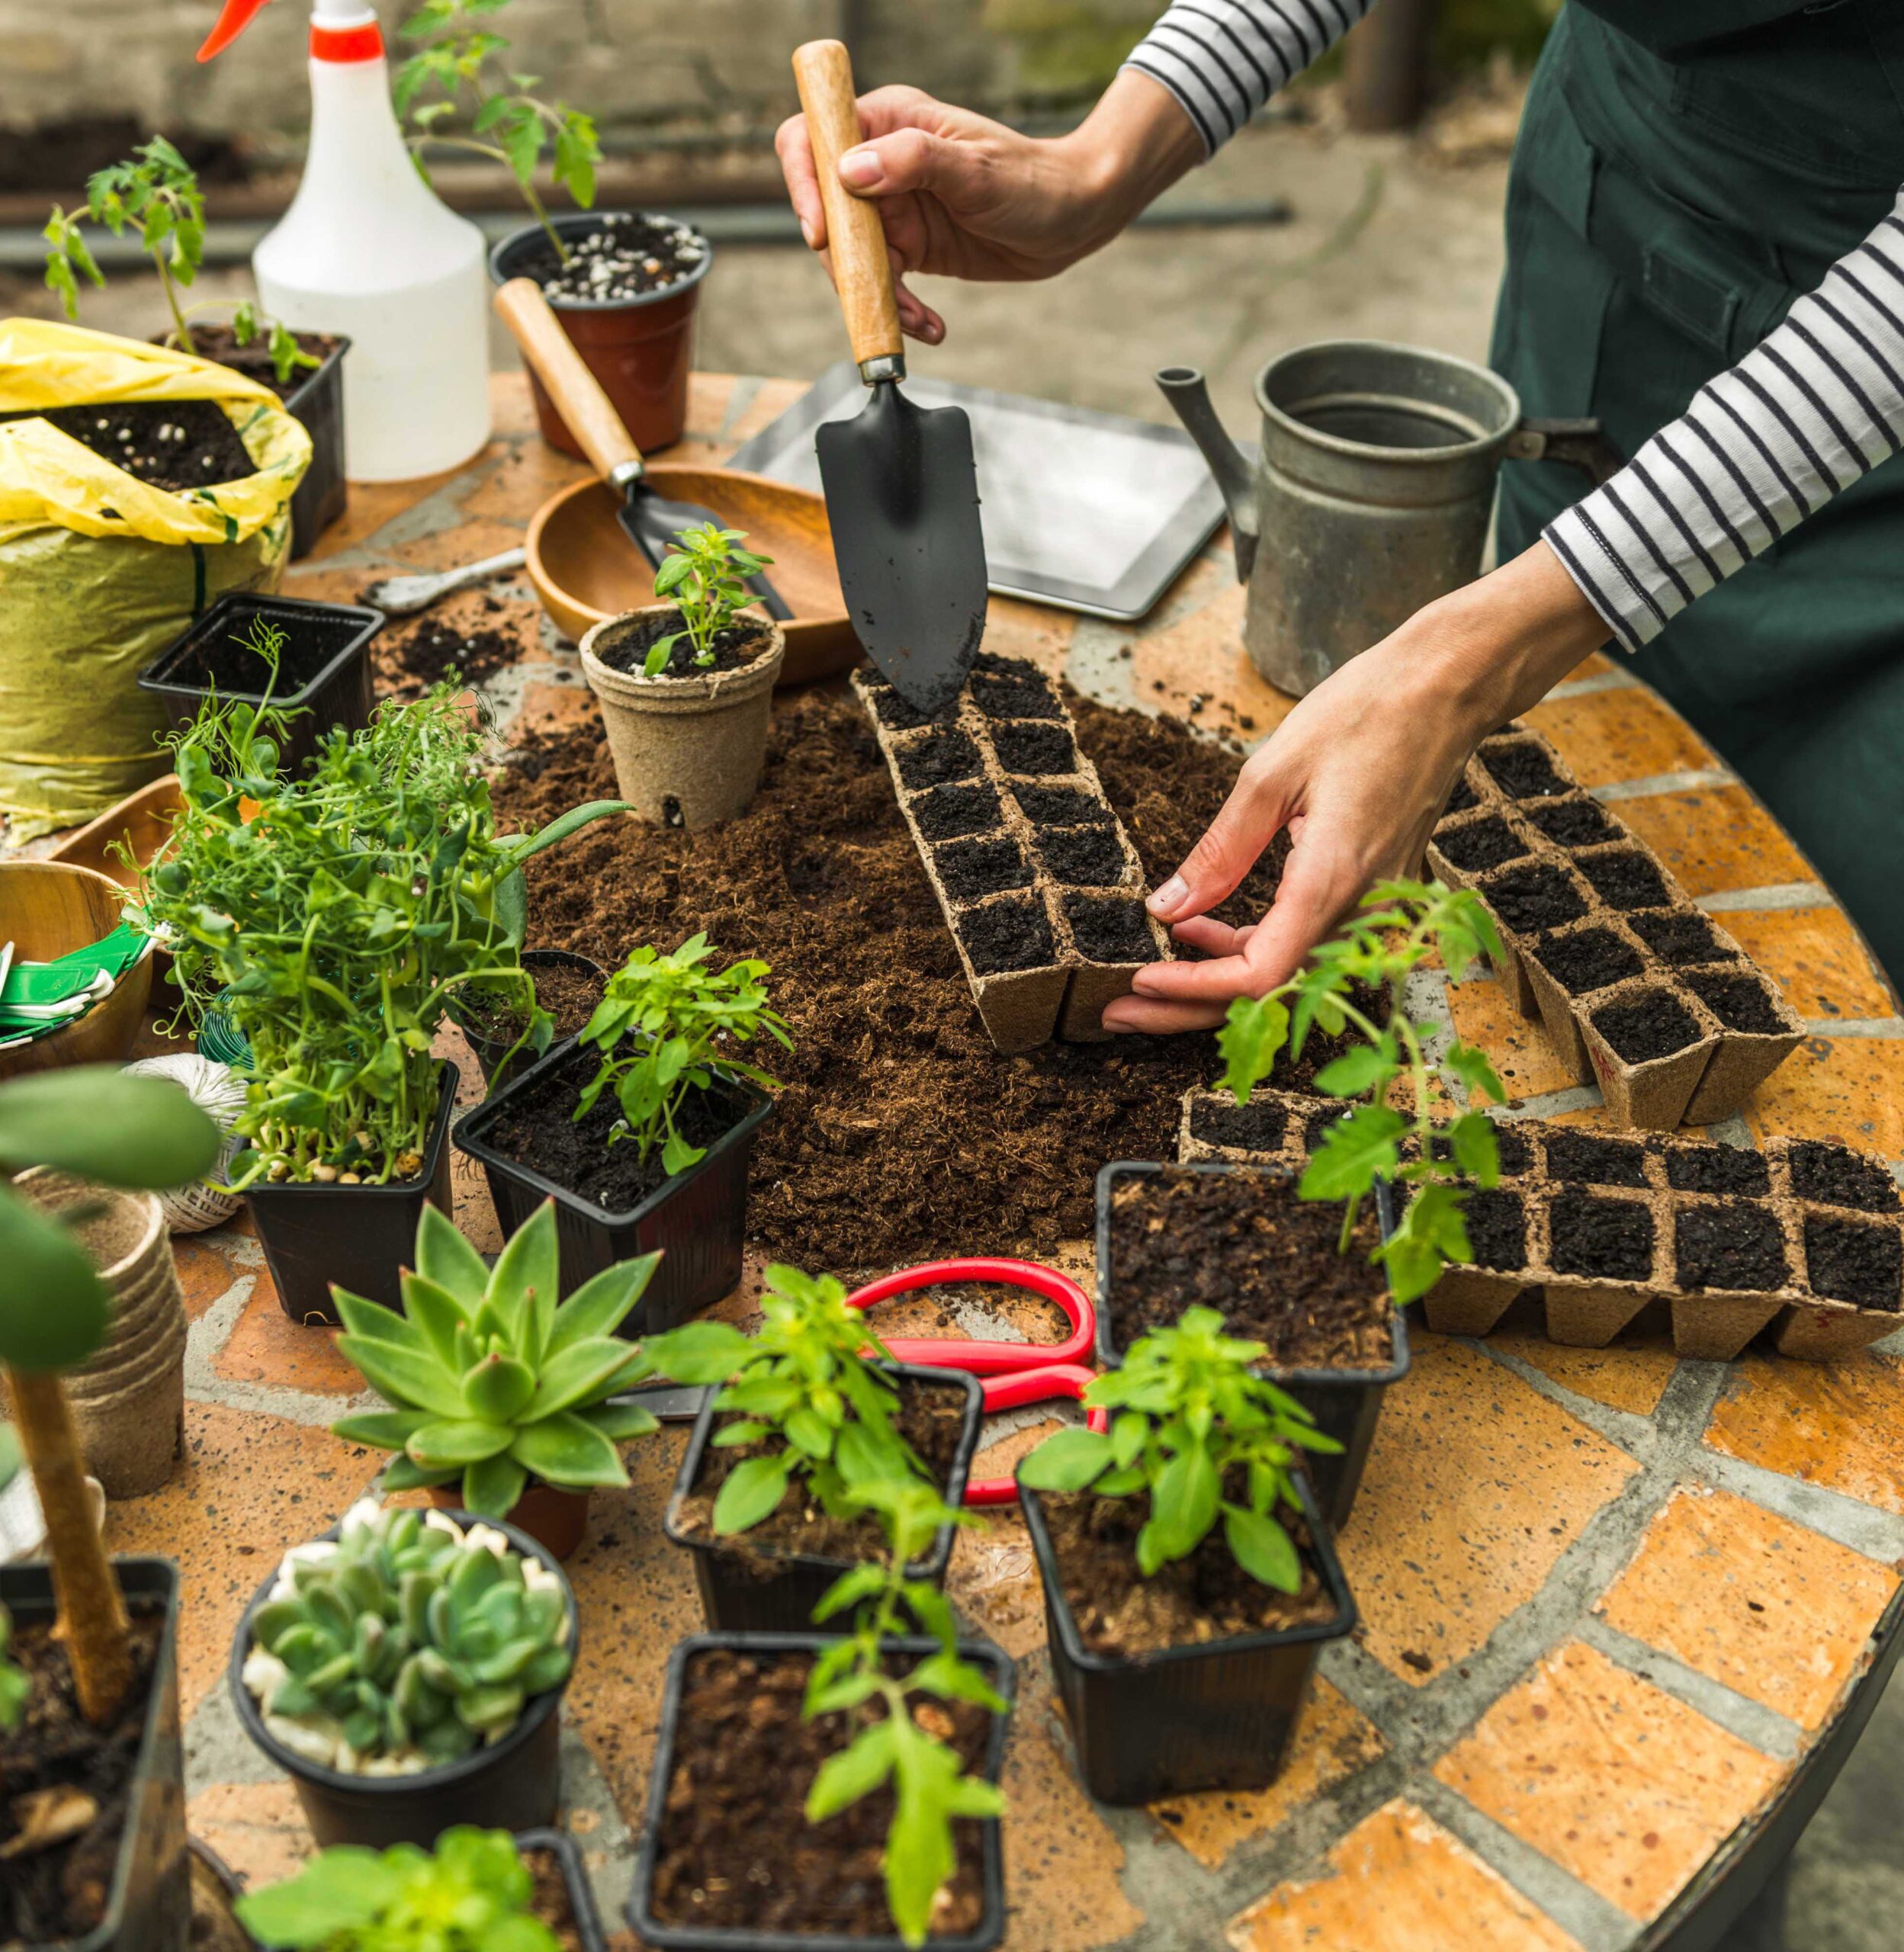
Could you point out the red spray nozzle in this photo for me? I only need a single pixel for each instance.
(237, 15)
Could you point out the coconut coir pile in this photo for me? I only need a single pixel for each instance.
(899, 1132)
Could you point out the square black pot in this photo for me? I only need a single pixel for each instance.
(564, 1849)
(740, 1594)
(338, 694)
(1346, 1404)
(323, 494)
(698, 1220)
(1215, 1716)
(704, 1938)
(149, 1907)
(490, 1052)
(361, 1238)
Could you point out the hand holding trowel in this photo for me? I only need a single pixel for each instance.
(902, 495)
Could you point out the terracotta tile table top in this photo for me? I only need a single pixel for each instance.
(1613, 1602)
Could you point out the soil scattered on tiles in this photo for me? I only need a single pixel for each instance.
(1524, 771)
(1717, 1169)
(174, 444)
(988, 865)
(1592, 960)
(1625, 880)
(1835, 1176)
(945, 756)
(1534, 898)
(1736, 1245)
(1850, 1260)
(1082, 856)
(1110, 929)
(1740, 1003)
(1591, 1160)
(1609, 1240)
(1007, 934)
(1654, 1025)
(1574, 822)
(1488, 844)
(407, 661)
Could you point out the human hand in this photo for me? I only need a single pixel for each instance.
(1359, 773)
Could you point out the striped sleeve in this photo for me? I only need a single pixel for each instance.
(1224, 59)
(1817, 403)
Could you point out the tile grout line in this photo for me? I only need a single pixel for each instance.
(1751, 1721)
(1692, 779)
(1769, 895)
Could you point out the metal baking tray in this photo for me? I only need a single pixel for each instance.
(1091, 511)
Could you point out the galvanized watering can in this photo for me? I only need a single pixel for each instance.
(1370, 494)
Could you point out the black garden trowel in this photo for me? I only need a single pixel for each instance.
(902, 493)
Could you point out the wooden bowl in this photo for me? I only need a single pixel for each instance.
(49, 908)
(143, 821)
(586, 570)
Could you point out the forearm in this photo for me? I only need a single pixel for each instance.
(1132, 146)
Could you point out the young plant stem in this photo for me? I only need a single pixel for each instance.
(182, 331)
(538, 209)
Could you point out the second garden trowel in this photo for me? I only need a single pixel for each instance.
(902, 493)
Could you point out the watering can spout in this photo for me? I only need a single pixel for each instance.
(1183, 387)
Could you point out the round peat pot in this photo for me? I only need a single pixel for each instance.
(512, 1784)
(490, 1052)
(149, 1900)
(1217, 1715)
(361, 1238)
(652, 1930)
(697, 1221)
(754, 1593)
(1346, 1404)
(641, 348)
(558, 1521)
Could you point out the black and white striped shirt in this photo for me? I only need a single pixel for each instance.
(1817, 403)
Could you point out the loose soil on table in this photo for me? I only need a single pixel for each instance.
(569, 996)
(172, 445)
(732, 1851)
(1110, 928)
(406, 662)
(900, 1133)
(1717, 1169)
(1082, 856)
(1243, 1243)
(1850, 1261)
(1680, 939)
(627, 651)
(1591, 960)
(1034, 747)
(1610, 1240)
(550, 1903)
(934, 761)
(1533, 898)
(221, 343)
(1627, 880)
(49, 1897)
(1835, 1176)
(1653, 1025)
(227, 662)
(1524, 771)
(970, 868)
(1581, 1157)
(1256, 1127)
(1574, 824)
(931, 1417)
(1207, 1597)
(538, 1130)
(1061, 806)
(1736, 1245)
(630, 254)
(1740, 1003)
(1007, 934)
(1497, 1229)
(1488, 844)
(948, 812)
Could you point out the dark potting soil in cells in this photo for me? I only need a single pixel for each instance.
(405, 662)
(538, 1129)
(1735, 1245)
(50, 1897)
(1190, 1601)
(1680, 939)
(732, 1854)
(1034, 745)
(631, 253)
(311, 643)
(930, 1416)
(1002, 936)
(1242, 1243)
(897, 716)
(1461, 798)
(627, 650)
(1591, 960)
(1654, 1025)
(221, 343)
(987, 866)
(1610, 1240)
(172, 445)
(1012, 688)
(1523, 771)
(947, 812)
(1740, 1003)
(1062, 806)
(1851, 1261)
(1256, 1127)
(1574, 822)
(1718, 1169)
(1082, 857)
(899, 1131)
(1488, 844)
(1535, 898)
(1625, 880)
(945, 756)
(1497, 1223)
(1589, 1160)
(1835, 1176)
(1110, 928)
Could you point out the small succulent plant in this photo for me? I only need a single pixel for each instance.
(406, 1643)
(491, 1381)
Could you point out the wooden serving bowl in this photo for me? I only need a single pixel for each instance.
(49, 908)
(143, 821)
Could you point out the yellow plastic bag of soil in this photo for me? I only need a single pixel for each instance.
(99, 572)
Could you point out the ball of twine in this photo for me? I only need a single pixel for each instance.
(218, 1091)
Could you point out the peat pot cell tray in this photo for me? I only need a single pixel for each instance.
(1523, 770)
(1487, 844)
(1593, 959)
(1497, 1229)
(1589, 1160)
(1007, 934)
(896, 715)
(1741, 1003)
(1461, 798)
(1732, 1245)
(1575, 823)
(1853, 1260)
(1600, 1239)
(1258, 1126)
(1512, 1149)
(1835, 1176)
(943, 756)
(990, 864)
(1625, 879)
(949, 813)
(1012, 688)
(1533, 898)
(1083, 856)
(1113, 929)
(1034, 745)
(1680, 939)
(1062, 806)
(1652, 1024)
(1720, 1169)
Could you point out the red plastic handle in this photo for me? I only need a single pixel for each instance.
(1013, 1391)
(977, 1358)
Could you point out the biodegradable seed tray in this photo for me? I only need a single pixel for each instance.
(1041, 888)
(1642, 993)
(1802, 1244)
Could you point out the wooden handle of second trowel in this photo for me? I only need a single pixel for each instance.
(855, 235)
(564, 374)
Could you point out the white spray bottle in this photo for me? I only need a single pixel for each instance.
(367, 248)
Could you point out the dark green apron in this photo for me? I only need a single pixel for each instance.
(1686, 169)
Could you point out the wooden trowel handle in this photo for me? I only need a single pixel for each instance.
(576, 392)
(856, 238)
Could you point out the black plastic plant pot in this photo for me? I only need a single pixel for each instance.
(708, 1938)
(322, 496)
(1217, 1716)
(751, 1593)
(514, 1783)
(582, 1914)
(361, 1238)
(149, 1902)
(697, 1221)
(1346, 1404)
(332, 641)
(490, 1052)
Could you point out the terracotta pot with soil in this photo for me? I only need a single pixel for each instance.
(567, 986)
(626, 297)
(725, 1864)
(769, 1578)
